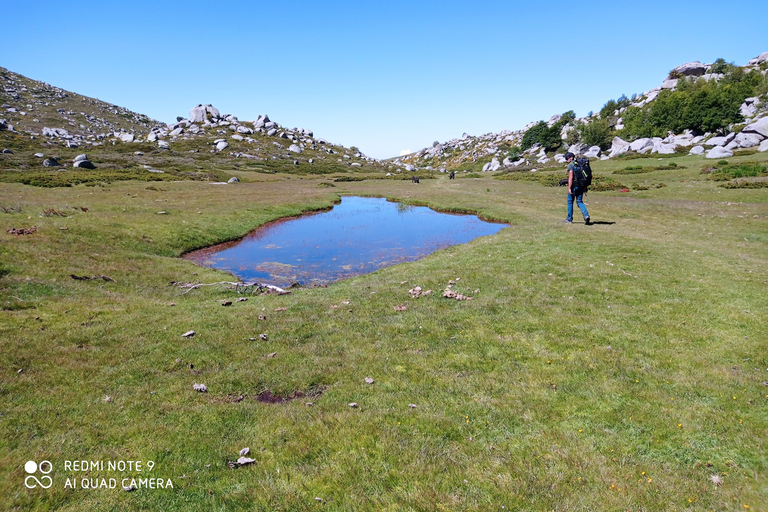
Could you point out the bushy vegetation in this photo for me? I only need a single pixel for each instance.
(596, 133)
(724, 172)
(547, 136)
(697, 105)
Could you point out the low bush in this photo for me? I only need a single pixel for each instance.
(745, 184)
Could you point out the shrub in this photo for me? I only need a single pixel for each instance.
(745, 184)
(605, 184)
(596, 133)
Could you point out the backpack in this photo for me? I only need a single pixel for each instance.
(582, 173)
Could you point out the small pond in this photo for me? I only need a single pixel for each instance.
(358, 236)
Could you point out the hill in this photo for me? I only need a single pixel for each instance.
(44, 130)
(726, 102)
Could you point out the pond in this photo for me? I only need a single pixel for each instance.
(358, 236)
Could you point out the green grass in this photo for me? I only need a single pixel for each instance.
(618, 366)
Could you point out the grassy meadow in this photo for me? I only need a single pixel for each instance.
(618, 366)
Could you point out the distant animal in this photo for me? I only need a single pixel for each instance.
(452, 175)
(415, 179)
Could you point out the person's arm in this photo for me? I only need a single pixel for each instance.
(570, 181)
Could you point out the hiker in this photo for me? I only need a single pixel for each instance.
(452, 175)
(575, 191)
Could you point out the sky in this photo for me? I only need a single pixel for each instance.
(387, 77)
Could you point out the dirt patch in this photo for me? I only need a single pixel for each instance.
(267, 397)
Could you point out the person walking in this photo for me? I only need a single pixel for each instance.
(575, 192)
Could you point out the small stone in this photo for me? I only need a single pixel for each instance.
(369, 380)
(245, 460)
(412, 406)
(353, 405)
(226, 303)
(188, 334)
(245, 451)
(201, 388)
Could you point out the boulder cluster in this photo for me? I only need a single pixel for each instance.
(495, 145)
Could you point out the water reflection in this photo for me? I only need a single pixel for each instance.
(358, 236)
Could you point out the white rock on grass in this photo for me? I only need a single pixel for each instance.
(719, 152)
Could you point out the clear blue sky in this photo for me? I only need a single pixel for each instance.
(383, 76)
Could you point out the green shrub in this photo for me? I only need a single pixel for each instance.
(605, 184)
(596, 133)
(745, 184)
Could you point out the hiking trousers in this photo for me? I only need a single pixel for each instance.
(578, 195)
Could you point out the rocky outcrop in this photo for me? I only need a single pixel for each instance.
(492, 148)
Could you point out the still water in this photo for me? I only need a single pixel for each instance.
(358, 236)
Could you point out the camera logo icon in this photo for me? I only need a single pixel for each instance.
(32, 468)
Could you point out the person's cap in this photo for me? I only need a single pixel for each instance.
(569, 155)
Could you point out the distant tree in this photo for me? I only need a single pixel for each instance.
(596, 133)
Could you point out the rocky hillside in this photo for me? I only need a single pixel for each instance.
(498, 151)
(42, 126)
(39, 109)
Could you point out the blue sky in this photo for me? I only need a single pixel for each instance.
(382, 76)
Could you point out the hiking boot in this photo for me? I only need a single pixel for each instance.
(588, 221)
(566, 221)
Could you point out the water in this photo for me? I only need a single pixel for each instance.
(358, 236)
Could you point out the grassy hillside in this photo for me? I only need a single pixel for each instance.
(619, 366)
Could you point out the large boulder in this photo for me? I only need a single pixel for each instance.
(749, 107)
(720, 141)
(697, 150)
(203, 113)
(747, 140)
(592, 152)
(763, 146)
(640, 144)
(670, 83)
(493, 165)
(294, 148)
(222, 145)
(84, 164)
(51, 162)
(759, 127)
(763, 57)
(55, 132)
(719, 152)
(618, 147)
(126, 137)
(689, 69)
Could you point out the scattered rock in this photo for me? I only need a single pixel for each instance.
(51, 162)
(84, 164)
(368, 380)
(200, 388)
(188, 334)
